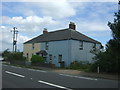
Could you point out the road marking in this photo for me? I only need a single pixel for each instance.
(15, 67)
(12, 66)
(78, 77)
(37, 70)
(14, 74)
(5, 65)
(51, 84)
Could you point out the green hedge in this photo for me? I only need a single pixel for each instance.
(17, 56)
(10, 56)
(37, 59)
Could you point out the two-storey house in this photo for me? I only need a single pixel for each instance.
(66, 45)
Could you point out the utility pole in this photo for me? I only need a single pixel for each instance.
(15, 32)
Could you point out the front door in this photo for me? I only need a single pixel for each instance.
(60, 60)
(50, 58)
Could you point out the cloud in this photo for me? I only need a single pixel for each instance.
(30, 18)
(30, 23)
(6, 38)
(95, 16)
(57, 9)
(60, 0)
(24, 25)
(54, 9)
(89, 26)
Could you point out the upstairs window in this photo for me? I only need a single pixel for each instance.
(33, 46)
(94, 46)
(46, 45)
(81, 45)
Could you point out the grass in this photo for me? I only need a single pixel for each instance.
(58, 68)
(23, 66)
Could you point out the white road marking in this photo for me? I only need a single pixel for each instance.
(5, 65)
(14, 74)
(15, 67)
(37, 70)
(12, 66)
(79, 77)
(58, 86)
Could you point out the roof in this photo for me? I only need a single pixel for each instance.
(64, 34)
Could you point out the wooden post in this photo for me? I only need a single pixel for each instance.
(98, 69)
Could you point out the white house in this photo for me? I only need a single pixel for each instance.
(66, 45)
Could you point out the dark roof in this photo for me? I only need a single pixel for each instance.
(64, 34)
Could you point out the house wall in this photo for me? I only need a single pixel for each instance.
(82, 55)
(28, 48)
(69, 49)
(55, 49)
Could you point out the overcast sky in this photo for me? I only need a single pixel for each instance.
(30, 18)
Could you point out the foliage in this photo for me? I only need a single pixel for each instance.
(37, 59)
(79, 65)
(5, 54)
(109, 60)
(9, 56)
(105, 61)
(18, 56)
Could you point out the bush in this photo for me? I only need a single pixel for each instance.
(10, 56)
(80, 65)
(18, 56)
(37, 59)
(106, 61)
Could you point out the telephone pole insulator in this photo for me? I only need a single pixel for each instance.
(15, 32)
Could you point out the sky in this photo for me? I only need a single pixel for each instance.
(30, 18)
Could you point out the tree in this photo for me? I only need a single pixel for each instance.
(5, 54)
(113, 46)
(109, 60)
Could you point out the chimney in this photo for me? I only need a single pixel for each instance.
(72, 26)
(45, 31)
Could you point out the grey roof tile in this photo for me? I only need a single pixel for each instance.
(64, 34)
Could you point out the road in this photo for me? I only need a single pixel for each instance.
(17, 77)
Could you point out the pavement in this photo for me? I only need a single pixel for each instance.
(17, 77)
(89, 74)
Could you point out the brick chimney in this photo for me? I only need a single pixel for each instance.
(72, 26)
(45, 31)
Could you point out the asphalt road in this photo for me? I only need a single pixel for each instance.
(15, 77)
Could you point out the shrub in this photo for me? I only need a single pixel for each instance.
(79, 65)
(37, 59)
(18, 56)
(9, 56)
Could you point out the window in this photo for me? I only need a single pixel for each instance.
(50, 57)
(33, 46)
(60, 58)
(27, 55)
(94, 45)
(81, 45)
(46, 45)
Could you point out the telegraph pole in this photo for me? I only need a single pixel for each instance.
(15, 32)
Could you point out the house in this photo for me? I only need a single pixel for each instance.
(61, 47)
